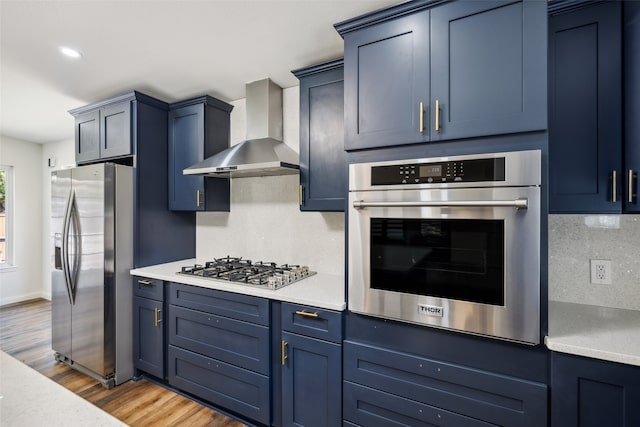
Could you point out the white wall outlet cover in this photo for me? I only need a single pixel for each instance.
(601, 271)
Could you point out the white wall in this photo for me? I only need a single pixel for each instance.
(265, 222)
(24, 280)
(63, 155)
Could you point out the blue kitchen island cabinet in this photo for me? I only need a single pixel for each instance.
(148, 324)
(322, 161)
(311, 358)
(585, 110)
(458, 70)
(589, 392)
(219, 347)
(198, 128)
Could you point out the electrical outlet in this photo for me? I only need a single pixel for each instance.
(601, 271)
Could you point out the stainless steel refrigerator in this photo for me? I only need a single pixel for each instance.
(92, 239)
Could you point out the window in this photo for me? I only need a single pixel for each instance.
(6, 190)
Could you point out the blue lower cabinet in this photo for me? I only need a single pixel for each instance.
(235, 389)
(385, 387)
(589, 392)
(374, 408)
(239, 343)
(219, 349)
(311, 382)
(148, 336)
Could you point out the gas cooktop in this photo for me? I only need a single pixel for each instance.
(261, 274)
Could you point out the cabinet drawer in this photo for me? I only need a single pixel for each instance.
(478, 394)
(373, 408)
(227, 304)
(312, 322)
(148, 288)
(230, 387)
(233, 341)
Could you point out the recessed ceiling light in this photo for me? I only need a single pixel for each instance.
(71, 53)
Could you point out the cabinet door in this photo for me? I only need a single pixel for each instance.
(87, 136)
(186, 148)
(632, 104)
(386, 75)
(488, 68)
(585, 140)
(115, 130)
(148, 337)
(311, 382)
(589, 392)
(322, 163)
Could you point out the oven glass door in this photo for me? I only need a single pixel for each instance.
(461, 259)
(466, 259)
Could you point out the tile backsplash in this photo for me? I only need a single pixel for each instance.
(265, 223)
(574, 240)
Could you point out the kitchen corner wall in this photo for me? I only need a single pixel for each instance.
(576, 239)
(22, 280)
(265, 222)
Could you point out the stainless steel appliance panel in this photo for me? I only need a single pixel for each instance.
(92, 233)
(88, 330)
(513, 315)
(60, 293)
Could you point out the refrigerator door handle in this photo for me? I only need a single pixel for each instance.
(74, 220)
(65, 246)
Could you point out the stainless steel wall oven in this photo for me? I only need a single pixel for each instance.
(451, 242)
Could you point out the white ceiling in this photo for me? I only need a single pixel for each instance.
(172, 49)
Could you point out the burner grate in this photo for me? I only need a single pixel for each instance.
(264, 274)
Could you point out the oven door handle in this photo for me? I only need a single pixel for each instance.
(522, 203)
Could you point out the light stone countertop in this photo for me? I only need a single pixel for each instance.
(320, 290)
(604, 333)
(28, 398)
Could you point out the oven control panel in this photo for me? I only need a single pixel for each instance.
(470, 170)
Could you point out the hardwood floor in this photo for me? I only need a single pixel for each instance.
(25, 334)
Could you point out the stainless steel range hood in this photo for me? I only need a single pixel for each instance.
(263, 153)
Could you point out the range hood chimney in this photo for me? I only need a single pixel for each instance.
(263, 153)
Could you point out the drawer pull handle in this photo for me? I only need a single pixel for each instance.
(157, 319)
(145, 282)
(630, 184)
(421, 116)
(614, 186)
(437, 115)
(284, 349)
(197, 198)
(307, 314)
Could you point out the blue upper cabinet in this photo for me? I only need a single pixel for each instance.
(198, 128)
(107, 129)
(631, 62)
(488, 68)
(458, 70)
(322, 163)
(386, 72)
(585, 110)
